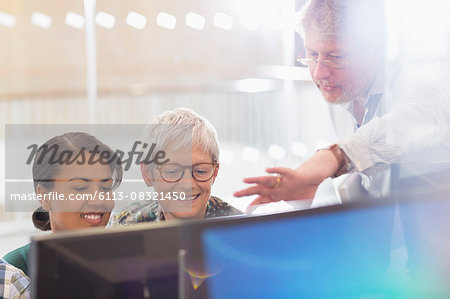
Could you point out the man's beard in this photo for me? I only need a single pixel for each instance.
(344, 97)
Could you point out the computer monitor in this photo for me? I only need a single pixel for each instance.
(338, 251)
(131, 262)
(335, 252)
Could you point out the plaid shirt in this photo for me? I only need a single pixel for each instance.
(13, 282)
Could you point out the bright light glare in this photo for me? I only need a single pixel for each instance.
(226, 157)
(7, 20)
(254, 14)
(74, 20)
(417, 29)
(280, 206)
(41, 20)
(105, 20)
(251, 23)
(274, 22)
(136, 20)
(276, 152)
(166, 20)
(279, 22)
(322, 144)
(299, 149)
(223, 21)
(195, 21)
(255, 85)
(250, 154)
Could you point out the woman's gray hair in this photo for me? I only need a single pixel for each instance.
(182, 128)
(360, 21)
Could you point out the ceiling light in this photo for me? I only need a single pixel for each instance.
(74, 20)
(166, 20)
(136, 20)
(41, 20)
(276, 152)
(105, 20)
(195, 21)
(223, 21)
(7, 20)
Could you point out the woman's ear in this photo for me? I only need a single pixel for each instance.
(216, 171)
(41, 191)
(148, 178)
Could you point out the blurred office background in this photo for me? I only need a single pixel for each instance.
(124, 62)
(233, 62)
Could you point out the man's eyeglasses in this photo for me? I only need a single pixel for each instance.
(338, 63)
(202, 172)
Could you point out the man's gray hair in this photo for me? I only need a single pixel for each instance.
(360, 21)
(182, 128)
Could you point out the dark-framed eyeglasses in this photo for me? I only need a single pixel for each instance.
(202, 172)
(337, 63)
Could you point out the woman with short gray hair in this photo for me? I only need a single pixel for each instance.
(190, 144)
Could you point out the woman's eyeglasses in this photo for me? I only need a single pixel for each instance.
(201, 172)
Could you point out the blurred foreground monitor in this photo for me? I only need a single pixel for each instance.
(347, 251)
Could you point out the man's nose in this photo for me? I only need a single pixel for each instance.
(321, 71)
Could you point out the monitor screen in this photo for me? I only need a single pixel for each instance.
(345, 251)
(132, 262)
(360, 252)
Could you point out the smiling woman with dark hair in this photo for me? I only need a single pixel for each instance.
(78, 181)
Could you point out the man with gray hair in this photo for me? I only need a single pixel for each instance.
(394, 111)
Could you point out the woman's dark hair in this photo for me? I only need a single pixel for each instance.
(63, 150)
(41, 219)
